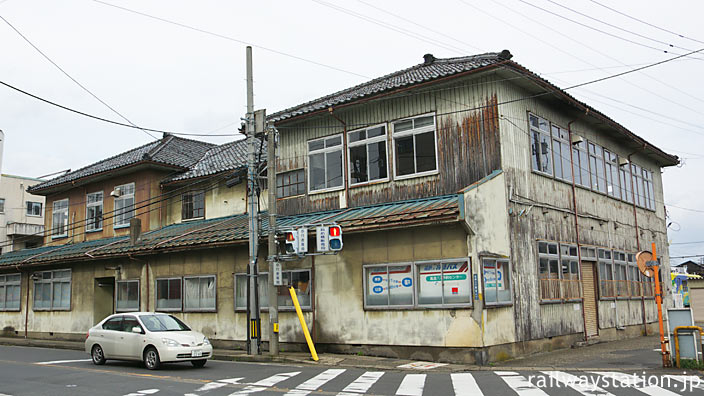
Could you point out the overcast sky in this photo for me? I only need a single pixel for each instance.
(180, 66)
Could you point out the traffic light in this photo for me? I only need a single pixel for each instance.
(335, 238)
(291, 242)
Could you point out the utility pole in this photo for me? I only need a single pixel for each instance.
(253, 213)
(273, 263)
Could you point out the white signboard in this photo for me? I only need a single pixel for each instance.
(448, 279)
(278, 277)
(322, 239)
(302, 240)
(494, 275)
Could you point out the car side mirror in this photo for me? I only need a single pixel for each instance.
(137, 329)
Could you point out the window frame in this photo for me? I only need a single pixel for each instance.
(618, 265)
(30, 208)
(648, 189)
(281, 308)
(192, 194)
(2, 205)
(325, 150)
(156, 294)
(5, 283)
(301, 172)
(542, 134)
(611, 169)
(52, 281)
(610, 263)
(510, 286)
(560, 136)
(580, 161)
(366, 142)
(415, 305)
(599, 166)
(95, 204)
(413, 132)
(215, 289)
(54, 212)
(117, 295)
(121, 213)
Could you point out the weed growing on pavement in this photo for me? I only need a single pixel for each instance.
(691, 364)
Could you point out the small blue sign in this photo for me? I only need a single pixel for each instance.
(377, 289)
(377, 279)
(407, 282)
(476, 287)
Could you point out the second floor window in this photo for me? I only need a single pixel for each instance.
(596, 167)
(289, 184)
(124, 205)
(2, 205)
(94, 211)
(612, 174)
(414, 146)
(193, 205)
(540, 138)
(34, 208)
(325, 163)
(59, 218)
(367, 155)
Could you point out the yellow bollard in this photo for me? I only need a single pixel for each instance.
(303, 323)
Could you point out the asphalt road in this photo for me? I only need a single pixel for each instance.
(40, 371)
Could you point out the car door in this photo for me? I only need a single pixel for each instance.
(129, 344)
(108, 337)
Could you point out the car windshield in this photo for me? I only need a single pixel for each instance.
(163, 323)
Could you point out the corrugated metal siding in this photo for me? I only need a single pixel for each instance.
(468, 143)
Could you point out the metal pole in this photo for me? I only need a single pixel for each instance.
(271, 203)
(253, 209)
(658, 301)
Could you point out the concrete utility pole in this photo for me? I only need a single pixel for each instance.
(273, 290)
(253, 212)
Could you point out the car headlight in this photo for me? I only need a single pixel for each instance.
(206, 341)
(170, 342)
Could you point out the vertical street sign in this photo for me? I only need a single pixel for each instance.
(278, 277)
(302, 240)
(322, 239)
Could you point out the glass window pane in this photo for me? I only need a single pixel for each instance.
(240, 291)
(400, 285)
(358, 164)
(490, 279)
(557, 158)
(316, 145)
(334, 168)
(403, 126)
(378, 131)
(456, 283)
(404, 156)
(333, 141)
(356, 136)
(192, 294)
(545, 154)
(429, 283)
(207, 292)
(423, 121)
(377, 161)
(317, 172)
(377, 292)
(425, 152)
(503, 284)
(300, 280)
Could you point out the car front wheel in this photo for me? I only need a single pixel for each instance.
(151, 358)
(198, 363)
(97, 355)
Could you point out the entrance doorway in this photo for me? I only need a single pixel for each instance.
(591, 317)
(103, 298)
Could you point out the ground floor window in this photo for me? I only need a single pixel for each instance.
(300, 280)
(436, 283)
(558, 271)
(168, 294)
(127, 296)
(52, 290)
(496, 275)
(10, 292)
(619, 276)
(199, 293)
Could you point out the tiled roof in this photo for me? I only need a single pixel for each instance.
(431, 69)
(226, 157)
(170, 150)
(234, 229)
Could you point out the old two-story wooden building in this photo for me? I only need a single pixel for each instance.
(487, 214)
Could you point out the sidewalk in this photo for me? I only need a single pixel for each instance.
(630, 354)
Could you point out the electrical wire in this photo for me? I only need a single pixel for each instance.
(83, 87)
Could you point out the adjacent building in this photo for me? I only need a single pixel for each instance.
(21, 214)
(487, 214)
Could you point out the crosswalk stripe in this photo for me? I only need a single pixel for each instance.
(265, 383)
(636, 382)
(577, 384)
(362, 384)
(522, 386)
(465, 385)
(217, 384)
(315, 382)
(412, 385)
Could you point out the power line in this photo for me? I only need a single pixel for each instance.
(687, 243)
(233, 39)
(646, 23)
(73, 79)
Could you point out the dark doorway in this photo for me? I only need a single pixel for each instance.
(103, 298)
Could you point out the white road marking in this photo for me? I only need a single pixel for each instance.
(143, 392)
(362, 384)
(636, 382)
(218, 384)
(422, 365)
(577, 384)
(522, 386)
(265, 383)
(412, 385)
(315, 382)
(690, 381)
(465, 385)
(65, 361)
(505, 373)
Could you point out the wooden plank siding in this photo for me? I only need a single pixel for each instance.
(468, 145)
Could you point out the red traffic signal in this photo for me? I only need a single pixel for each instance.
(335, 238)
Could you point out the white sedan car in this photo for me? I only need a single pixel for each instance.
(147, 336)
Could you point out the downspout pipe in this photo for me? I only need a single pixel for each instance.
(576, 224)
(635, 220)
